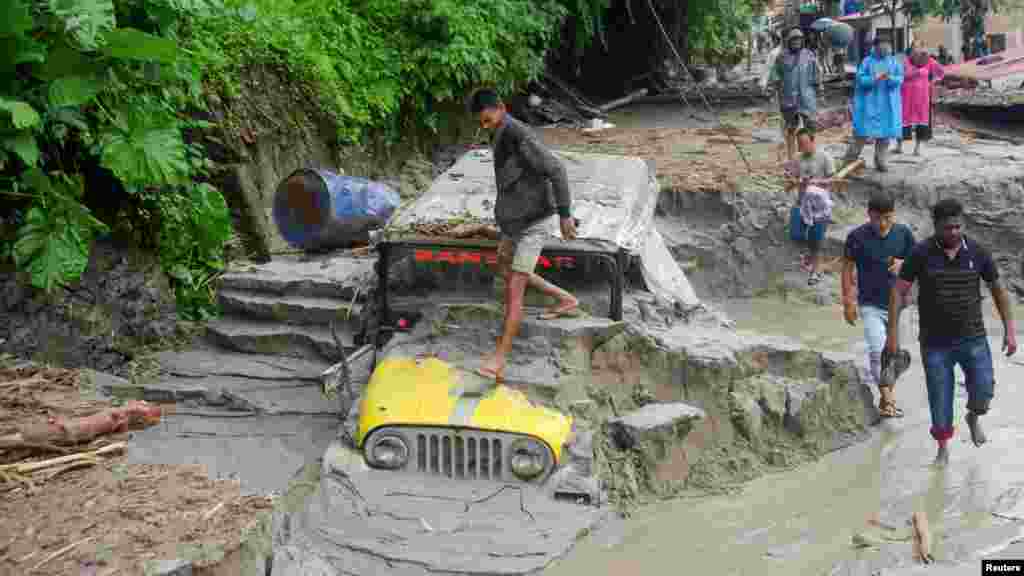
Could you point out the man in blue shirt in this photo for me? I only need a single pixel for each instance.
(876, 250)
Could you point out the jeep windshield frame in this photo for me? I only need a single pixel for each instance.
(610, 254)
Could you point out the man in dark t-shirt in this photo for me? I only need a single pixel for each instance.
(950, 267)
(875, 250)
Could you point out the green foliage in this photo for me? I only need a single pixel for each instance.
(379, 64)
(194, 227)
(715, 29)
(53, 243)
(97, 81)
(143, 147)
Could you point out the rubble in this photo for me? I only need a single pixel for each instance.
(981, 98)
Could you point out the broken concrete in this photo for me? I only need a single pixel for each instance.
(657, 432)
(289, 309)
(334, 276)
(254, 337)
(203, 363)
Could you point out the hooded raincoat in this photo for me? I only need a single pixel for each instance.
(916, 91)
(877, 106)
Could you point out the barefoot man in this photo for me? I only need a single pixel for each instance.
(950, 267)
(525, 173)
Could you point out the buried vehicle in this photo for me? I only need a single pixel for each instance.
(424, 409)
(438, 470)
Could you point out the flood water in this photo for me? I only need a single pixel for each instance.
(802, 521)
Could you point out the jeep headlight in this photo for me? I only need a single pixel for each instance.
(528, 458)
(388, 451)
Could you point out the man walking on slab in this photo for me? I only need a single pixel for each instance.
(525, 173)
(950, 267)
(876, 251)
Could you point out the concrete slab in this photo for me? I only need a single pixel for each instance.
(365, 521)
(260, 451)
(328, 277)
(202, 363)
(290, 309)
(314, 342)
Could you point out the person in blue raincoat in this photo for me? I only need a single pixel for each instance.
(877, 105)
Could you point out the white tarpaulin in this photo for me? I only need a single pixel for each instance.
(613, 197)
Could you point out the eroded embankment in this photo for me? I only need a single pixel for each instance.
(768, 404)
(735, 242)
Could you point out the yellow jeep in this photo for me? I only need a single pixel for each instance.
(422, 410)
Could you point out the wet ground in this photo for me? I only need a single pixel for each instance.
(803, 522)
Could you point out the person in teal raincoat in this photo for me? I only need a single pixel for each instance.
(877, 105)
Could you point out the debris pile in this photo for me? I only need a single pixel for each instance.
(552, 101)
(43, 412)
(78, 507)
(695, 159)
(464, 228)
(981, 98)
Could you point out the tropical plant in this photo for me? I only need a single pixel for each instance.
(98, 82)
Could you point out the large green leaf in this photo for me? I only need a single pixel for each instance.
(85, 20)
(15, 18)
(72, 91)
(22, 114)
(132, 44)
(64, 60)
(143, 151)
(24, 145)
(52, 250)
(212, 223)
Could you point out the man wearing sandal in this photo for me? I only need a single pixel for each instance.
(950, 267)
(525, 173)
(876, 251)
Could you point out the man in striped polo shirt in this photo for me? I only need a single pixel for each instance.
(950, 267)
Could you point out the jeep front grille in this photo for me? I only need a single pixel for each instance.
(459, 456)
(459, 453)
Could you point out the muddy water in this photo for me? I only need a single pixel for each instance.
(801, 522)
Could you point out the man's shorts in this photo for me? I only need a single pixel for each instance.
(794, 120)
(520, 253)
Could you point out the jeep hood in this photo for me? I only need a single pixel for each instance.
(432, 392)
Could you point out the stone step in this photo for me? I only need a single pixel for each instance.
(261, 337)
(329, 277)
(290, 309)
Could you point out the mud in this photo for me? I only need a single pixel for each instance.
(849, 512)
(121, 305)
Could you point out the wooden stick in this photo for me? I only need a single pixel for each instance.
(61, 552)
(859, 163)
(29, 467)
(73, 466)
(23, 382)
(209, 513)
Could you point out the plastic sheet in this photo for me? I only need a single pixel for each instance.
(614, 198)
(319, 209)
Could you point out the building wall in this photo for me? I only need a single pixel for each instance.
(935, 32)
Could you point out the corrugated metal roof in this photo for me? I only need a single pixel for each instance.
(989, 67)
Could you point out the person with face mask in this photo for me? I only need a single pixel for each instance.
(920, 73)
(798, 81)
(877, 108)
(876, 251)
(950, 267)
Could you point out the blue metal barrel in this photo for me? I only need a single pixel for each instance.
(320, 210)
